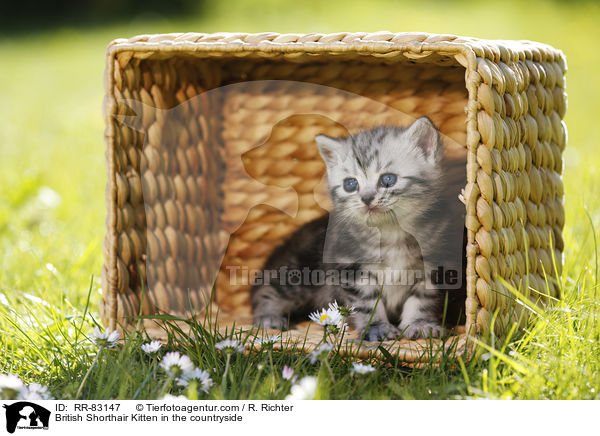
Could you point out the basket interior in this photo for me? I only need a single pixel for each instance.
(216, 165)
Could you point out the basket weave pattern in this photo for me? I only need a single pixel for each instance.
(371, 95)
(499, 104)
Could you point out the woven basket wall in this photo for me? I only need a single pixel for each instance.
(212, 135)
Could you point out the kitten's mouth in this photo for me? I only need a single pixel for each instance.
(379, 216)
(373, 210)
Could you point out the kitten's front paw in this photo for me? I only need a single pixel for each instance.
(271, 322)
(380, 331)
(422, 329)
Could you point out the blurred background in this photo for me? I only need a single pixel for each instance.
(52, 174)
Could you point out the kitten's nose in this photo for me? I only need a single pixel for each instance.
(368, 199)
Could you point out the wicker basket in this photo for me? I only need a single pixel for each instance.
(212, 135)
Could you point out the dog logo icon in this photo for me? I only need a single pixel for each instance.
(26, 415)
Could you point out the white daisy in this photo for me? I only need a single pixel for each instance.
(106, 339)
(319, 353)
(343, 310)
(35, 391)
(361, 368)
(287, 373)
(151, 347)
(267, 341)
(229, 346)
(305, 389)
(170, 397)
(48, 197)
(11, 386)
(203, 378)
(327, 317)
(176, 365)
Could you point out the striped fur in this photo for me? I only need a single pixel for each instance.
(412, 228)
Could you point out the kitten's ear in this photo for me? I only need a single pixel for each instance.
(330, 149)
(427, 137)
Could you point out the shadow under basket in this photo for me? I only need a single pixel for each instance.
(211, 163)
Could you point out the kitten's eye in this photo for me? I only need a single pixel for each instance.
(388, 180)
(350, 184)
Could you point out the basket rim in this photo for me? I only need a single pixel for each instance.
(350, 42)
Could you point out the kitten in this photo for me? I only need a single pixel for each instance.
(391, 215)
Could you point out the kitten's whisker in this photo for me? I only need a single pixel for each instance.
(393, 218)
(388, 216)
(344, 218)
(396, 218)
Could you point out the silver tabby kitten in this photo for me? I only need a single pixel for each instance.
(389, 217)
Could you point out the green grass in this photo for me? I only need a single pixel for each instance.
(51, 137)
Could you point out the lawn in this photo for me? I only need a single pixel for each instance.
(52, 180)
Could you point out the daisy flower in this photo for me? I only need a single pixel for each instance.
(287, 373)
(151, 347)
(343, 310)
(11, 386)
(35, 391)
(361, 368)
(170, 397)
(229, 346)
(305, 389)
(176, 365)
(268, 340)
(106, 339)
(327, 317)
(319, 353)
(203, 378)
